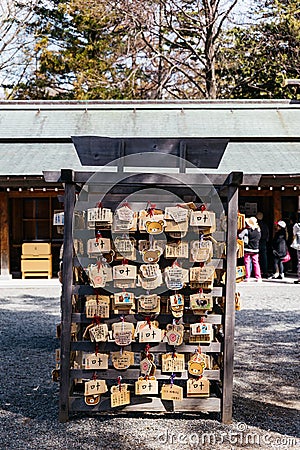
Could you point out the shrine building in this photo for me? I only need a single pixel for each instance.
(260, 138)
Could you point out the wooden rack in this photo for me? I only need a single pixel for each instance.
(118, 185)
(220, 400)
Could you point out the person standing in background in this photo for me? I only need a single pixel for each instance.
(296, 245)
(263, 251)
(251, 236)
(279, 247)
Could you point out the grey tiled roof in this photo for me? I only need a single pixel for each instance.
(25, 128)
(32, 159)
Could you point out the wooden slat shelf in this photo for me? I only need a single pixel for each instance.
(146, 404)
(163, 318)
(84, 289)
(134, 373)
(86, 346)
(86, 260)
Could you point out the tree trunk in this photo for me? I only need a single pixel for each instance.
(210, 10)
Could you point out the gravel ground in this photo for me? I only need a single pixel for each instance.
(266, 382)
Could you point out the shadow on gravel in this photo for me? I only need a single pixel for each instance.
(267, 416)
(27, 353)
(266, 370)
(265, 318)
(266, 352)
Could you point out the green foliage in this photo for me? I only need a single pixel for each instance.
(82, 52)
(143, 49)
(258, 59)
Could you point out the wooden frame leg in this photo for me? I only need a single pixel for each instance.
(230, 305)
(65, 346)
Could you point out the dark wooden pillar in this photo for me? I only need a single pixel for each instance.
(65, 350)
(231, 247)
(4, 237)
(277, 205)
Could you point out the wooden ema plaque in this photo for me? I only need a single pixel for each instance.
(123, 333)
(201, 302)
(125, 248)
(99, 275)
(174, 334)
(172, 392)
(197, 364)
(150, 271)
(176, 213)
(146, 386)
(149, 303)
(201, 333)
(100, 217)
(120, 395)
(123, 338)
(124, 276)
(172, 363)
(147, 366)
(148, 334)
(123, 300)
(144, 217)
(203, 274)
(203, 219)
(124, 272)
(97, 333)
(150, 284)
(176, 277)
(92, 400)
(124, 219)
(122, 360)
(201, 251)
(95, 362)
(95, 387)
(98, 246)
(198, 387)
(180, 227)
(97, 306)
(177, 250)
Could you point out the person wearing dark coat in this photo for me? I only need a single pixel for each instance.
(279, 246)
(251, 237)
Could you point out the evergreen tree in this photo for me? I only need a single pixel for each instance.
(157, 49)
(261, 56)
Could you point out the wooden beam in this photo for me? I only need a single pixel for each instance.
(134, 374)
(137, 178)
(4, 237)
(145, 404)
(34, 194)
(66, 302)
(255, 193)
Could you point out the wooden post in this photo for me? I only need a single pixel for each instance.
(4, 237)
(69, 201)
(231, 247)
(277, 205)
